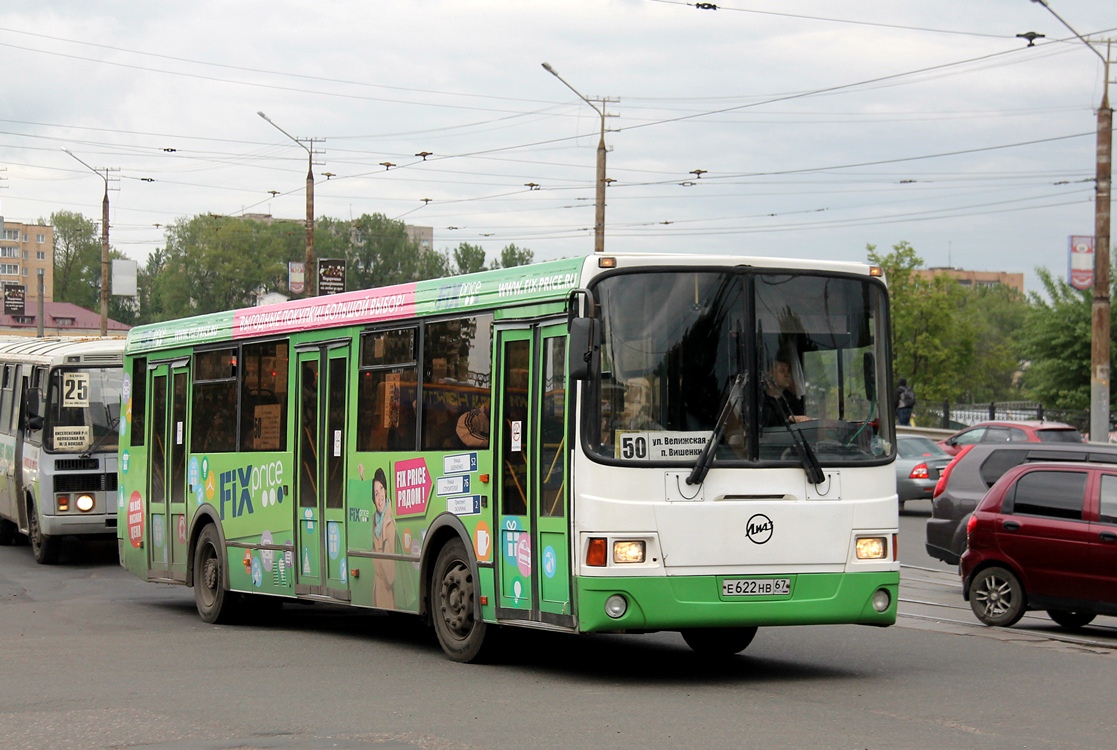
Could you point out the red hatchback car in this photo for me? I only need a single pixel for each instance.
(1044, 537)
(1011, 432)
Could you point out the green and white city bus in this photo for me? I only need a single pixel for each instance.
(598, 444)
(59, 421)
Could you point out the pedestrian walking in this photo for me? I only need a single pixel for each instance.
(905, 402)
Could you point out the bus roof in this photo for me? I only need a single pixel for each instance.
(63, 350)
(547, 281)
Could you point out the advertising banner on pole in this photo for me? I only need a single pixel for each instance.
(296, 277)
(1080, 261)
(331, 276)
(14, 298)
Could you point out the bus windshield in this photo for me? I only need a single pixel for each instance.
(773, 366)
(83, 410)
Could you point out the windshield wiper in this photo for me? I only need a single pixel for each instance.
(702, 465)
(806, 454)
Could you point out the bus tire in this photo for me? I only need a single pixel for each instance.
(216, 604)
(46, 549)
(8, 533)
(453, 593)
(718, 641)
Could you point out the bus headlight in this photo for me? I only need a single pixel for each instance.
(628, 551)
(881, 600)
(84, 503)
(872, 548)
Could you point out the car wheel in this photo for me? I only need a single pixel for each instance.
(1071, 620)
(46, 549)
(453, 594)
(718, 641)
(996, 597)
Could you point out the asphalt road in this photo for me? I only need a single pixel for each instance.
(93, 658)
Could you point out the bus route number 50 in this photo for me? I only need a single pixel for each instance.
(634, 446)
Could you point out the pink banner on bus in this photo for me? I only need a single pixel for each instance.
(362, 306)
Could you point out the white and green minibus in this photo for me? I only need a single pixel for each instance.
(59, 422)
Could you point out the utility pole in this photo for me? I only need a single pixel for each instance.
(599, 194)
(1103, 182)
(104, 240)
(311, 272)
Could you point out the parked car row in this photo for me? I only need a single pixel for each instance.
(1032, 526)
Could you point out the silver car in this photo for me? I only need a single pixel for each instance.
(918, 464)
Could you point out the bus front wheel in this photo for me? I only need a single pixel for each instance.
(718, 641)
(453, 598)
(215, 603)
(46, 549)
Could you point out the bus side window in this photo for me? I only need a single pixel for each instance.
(457, 380)
(213, 424)
(7, 401)
(139, 400)
(386, 391)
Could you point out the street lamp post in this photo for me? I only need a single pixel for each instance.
(311, 273)
(104, 244)
(599, 196)
(1100, 347)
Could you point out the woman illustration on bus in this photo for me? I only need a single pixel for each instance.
(383, 541)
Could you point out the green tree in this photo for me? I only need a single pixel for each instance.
(216, 263)
(380, 253)
(77, 259)
(512, 256)
(1056, 341)
(468, 258)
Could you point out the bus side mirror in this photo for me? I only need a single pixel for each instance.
(868, 363)
(585, 348)
(32, 419)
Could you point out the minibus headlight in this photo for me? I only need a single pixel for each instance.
(872, 548)
(84, 503)
(62, 502)
(628, 551)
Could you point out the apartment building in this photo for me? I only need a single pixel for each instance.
(25, 251)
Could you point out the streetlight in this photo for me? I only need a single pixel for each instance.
(1099, 348)
(311, 273)
(599, 199)
(104, 243)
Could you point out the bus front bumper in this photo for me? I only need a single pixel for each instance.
(677, 602)
(96, 524)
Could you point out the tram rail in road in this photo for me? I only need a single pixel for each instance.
(931, 599)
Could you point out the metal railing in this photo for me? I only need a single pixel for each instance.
(950, 416)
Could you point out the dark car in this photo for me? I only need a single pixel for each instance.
(969, 476)
(1011, 432)
(1044, 537)
(919, 462)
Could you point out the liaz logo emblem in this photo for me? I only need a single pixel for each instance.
(759, 529)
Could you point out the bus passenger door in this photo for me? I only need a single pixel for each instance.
(166, 521)
(320, 458)
(531, 467)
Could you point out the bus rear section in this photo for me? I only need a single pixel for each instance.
(59, 423)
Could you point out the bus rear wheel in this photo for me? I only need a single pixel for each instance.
(46, 549)
(453, 600)
(215, 603)
(718, 641)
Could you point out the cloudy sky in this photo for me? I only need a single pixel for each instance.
(764, 127)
